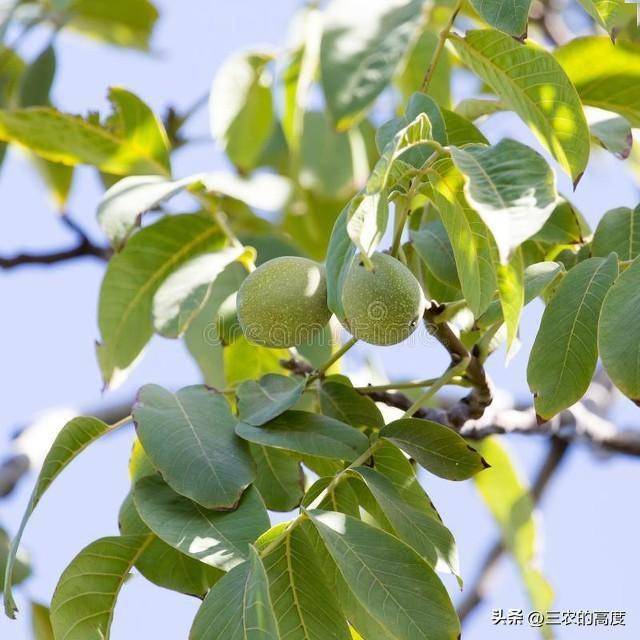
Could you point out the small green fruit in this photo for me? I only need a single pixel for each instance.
(382, 306)
(283, 303)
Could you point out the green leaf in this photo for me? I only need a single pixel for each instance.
(511, 290)
(241, 107)
(326, 163)
(305, 607)
(246, 361)
(460, 131)
(84, 600)
(163, 565)
(618, 231)
(565, 225)
(619, 333)
(307, 433)
(41, 622)
(343, 402)
(510, 503)
(135, 142)
(605, 12)
(419, 529)
(72, 440)
(411, 72)
(342, 497)
(127, 23)
(262, 400)
(367, 223)
(611, 132)
(435, 447)
(434, 248)
(189, 436)
(391, 168)
(132, 278)
(476, 108)
(360, 52)
(238, 607)
(183, 294)
(279, 478)
(37, 79)
(470, 238)
(511, 187)
(611, 80)
(202, 336)
(392, 582)
(564, 354)
(510, 17)
(220, 539)
(20, 566)
(546, 100)
(340, 254)
(537, 278)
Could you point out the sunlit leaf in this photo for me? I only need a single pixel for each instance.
(134, 275)
(360, 52)
(564, 354)
(511, 290)
(83, 602)
(545, 100)
(241, 107)
(41, 622)
(246, 361)
(605, 12)
(434, 248)
(189, 437)
(72, 440)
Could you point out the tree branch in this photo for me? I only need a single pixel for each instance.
(481, 587)
(83, 247)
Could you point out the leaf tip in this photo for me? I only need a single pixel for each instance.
(577, 179)
(540, 420)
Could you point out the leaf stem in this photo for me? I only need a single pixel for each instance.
(442, 38)
(444, 379)
(402, 214)
(418, 384)
(333, 359)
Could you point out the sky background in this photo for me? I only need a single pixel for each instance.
(48, 328)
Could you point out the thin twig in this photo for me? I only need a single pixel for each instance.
(442, 39)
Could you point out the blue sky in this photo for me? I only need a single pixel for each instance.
(48, 328)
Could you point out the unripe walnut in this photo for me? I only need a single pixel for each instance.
(382, 306)
(283, 303)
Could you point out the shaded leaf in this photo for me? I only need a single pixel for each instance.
(189, 436)
(72, 440)
(434, 248)
(605, 12)
(238, 607)
(220, 539)
(279, 477)
(511, 290)
(307, 433)
(262, 400)
(435, 447)
(545, 100)
(41, 622)
(618, 231)
(304, 606)
(163, 565)
(619, 332)
(511, 187)
(84, 600)
(460, 131)
(20, 566)
(367, 222)
(132, 278)
(565, 225)
(564, 354)
(360, 52)
(241, 107)
(343, 402)
(392, 582)
(510, 17)
(611, 132)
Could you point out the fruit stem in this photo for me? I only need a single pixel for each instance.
(333, 359)
(444, 379)
(442, 39)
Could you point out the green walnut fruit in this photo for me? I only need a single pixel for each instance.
(382, 306)
(283, 303)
